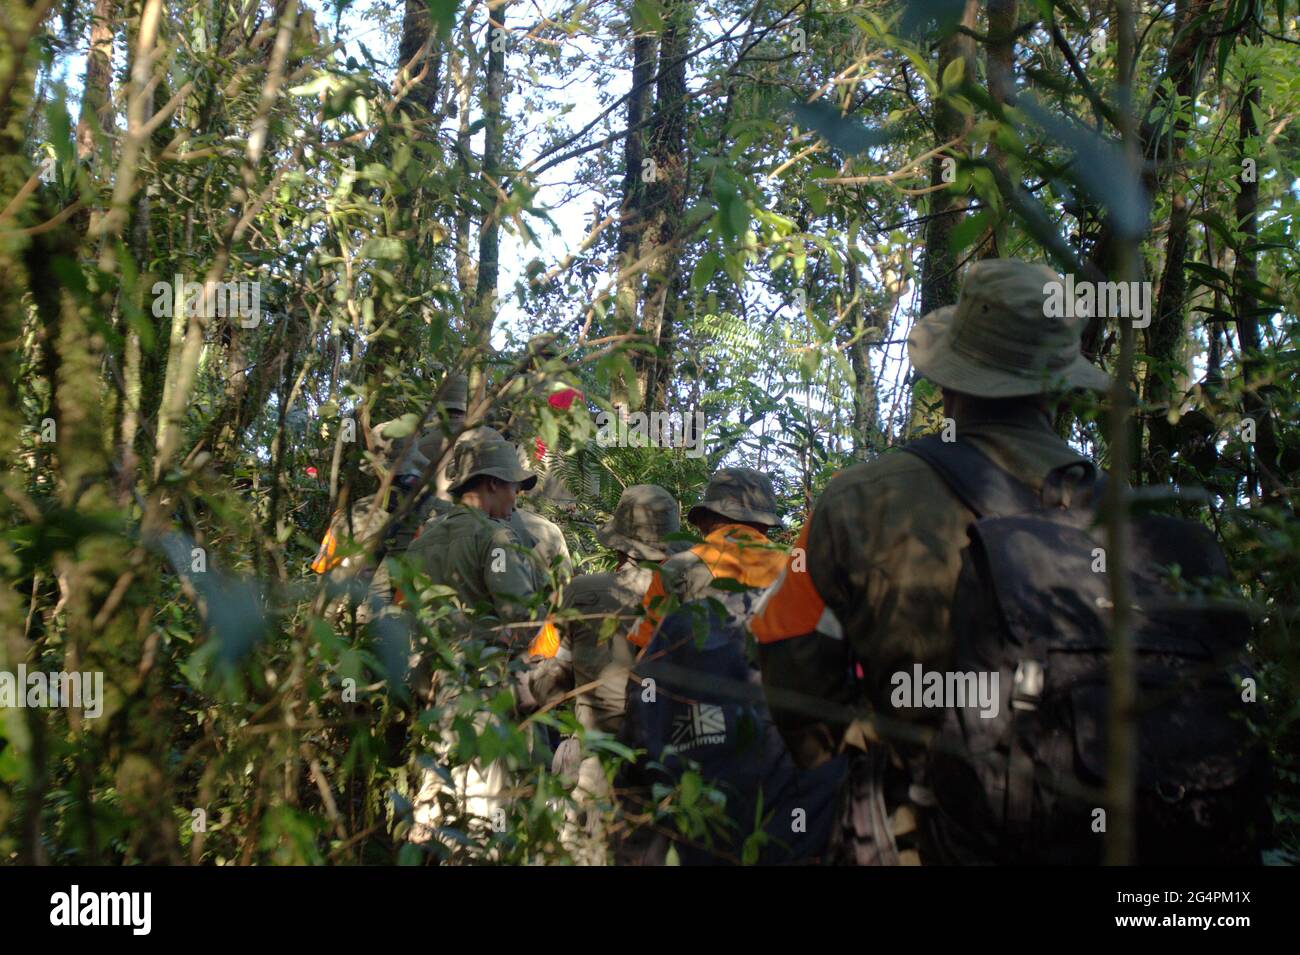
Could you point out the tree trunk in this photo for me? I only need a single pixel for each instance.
(462, 67)
(631, 227)
(939, 282)
(418, 40)
(1167, 333)
(999, 59)
(96, 117)
(665, 202)
(1246, 304)
(489, 233)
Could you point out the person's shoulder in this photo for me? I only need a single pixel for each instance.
(498, 532)
(681, 561)
(891, 491)
(600, 581)
(589, 588)
(431, 529)
(540, 527)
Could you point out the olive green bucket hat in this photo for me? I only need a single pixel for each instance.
(455, 393)
(483, 451)
(998, 341)
(645, 515)
(455, 396)
(741, 494)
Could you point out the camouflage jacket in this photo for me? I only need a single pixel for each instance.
(599, 649)
(487, 565)
(872, 578)
(546, 542)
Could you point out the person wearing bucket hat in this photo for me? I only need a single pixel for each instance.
(452, 404)
(737, 510)
(998, 341)
(644, 516)
(872, 577)
(369, 515)
(539, 537)
(473, 550)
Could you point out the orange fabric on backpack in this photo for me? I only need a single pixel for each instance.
(733, 552)
(794, 608)
(547, 642)
(325, 560)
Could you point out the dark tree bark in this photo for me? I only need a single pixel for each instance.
(665, 203)
(630, 281)
(96, 106)
(939, 281)
(999, 60)
(1246, 305)
(1168, 324)
(489, 236)
(418, 41)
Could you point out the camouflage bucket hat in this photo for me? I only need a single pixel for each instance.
(413, 462)
(741, 494)
(998, 340)
(392, 440)
(484, 451)
(455, 397)
(645, 515)
(455, 393)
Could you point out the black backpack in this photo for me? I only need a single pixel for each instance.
(708, 712)
(1025, 786)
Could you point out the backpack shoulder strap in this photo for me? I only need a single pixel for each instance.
(980, 484)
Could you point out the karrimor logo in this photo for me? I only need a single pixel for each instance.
(75, 907)
(702, 725)
(209, 300)
(37, 690)
(1071, 299)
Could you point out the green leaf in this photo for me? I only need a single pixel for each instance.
(816, 198)
(969, 229)
(952, 73)
(56, 114)
(705, 269)
(809, 361)
(841, 132)
(647, 16)
(549, 429)
(733, 211)
(443, 14)
(927, 18)
(361, 110)
(401, 427)
(1100, 168)
(383, 248)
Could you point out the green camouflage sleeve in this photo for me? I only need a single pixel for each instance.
(510, 580)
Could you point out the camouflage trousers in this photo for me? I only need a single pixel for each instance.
(477, 795)
(473, 797)
(583, 834)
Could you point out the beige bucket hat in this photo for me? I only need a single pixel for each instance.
(998, 341)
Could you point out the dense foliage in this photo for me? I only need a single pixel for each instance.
(732, 207)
